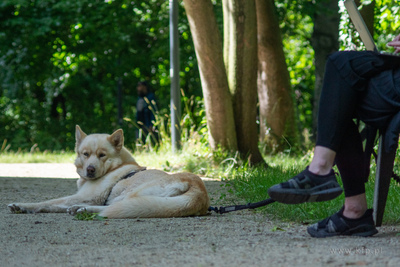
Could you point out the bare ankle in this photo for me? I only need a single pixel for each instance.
(354, 213)
(355, 206)
(320, 168)
(322, 161)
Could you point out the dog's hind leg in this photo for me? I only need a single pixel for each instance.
(188, 204)
(154, 207)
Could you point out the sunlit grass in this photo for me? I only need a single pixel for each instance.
(37, 157)
(252, 186)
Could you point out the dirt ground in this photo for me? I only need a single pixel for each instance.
(244, 238)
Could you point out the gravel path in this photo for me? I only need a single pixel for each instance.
(244, 238)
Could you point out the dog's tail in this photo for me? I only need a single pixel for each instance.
(189, 204)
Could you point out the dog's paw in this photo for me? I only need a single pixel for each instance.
(76, 209)
(17, 208)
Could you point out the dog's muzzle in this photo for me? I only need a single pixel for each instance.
(90, 171)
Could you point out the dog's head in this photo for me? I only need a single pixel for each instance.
(98, 154)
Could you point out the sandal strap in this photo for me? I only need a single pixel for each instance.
(301, 181)
(334, 224)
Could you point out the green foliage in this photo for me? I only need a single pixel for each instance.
(387, 25)
(387, 22)
(62, 62)
(86, 216)
(297, 26)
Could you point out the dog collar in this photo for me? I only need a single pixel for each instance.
(132, 173)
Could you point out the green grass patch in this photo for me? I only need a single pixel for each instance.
(37, 157)
(251, 184)
(86, 216)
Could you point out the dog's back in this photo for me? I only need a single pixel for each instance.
(155, 193)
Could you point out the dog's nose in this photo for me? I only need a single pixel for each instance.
(90, 171)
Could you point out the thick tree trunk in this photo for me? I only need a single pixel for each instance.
(240, 53)
(217, 98)
(277, 115)
(325, 40)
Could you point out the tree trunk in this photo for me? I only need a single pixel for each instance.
(217, 98)
(368, 14)
(325, 40)
(277, 117)
(240, 54)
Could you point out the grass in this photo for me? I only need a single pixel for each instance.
(86, 216)
(252, 185)
(247, 184)
(37, 157)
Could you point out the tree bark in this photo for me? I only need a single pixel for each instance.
(277, 116)
(368, 14)
(325, 40)
(217, 98)
(240, 54)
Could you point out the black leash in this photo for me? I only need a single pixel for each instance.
(227, 209)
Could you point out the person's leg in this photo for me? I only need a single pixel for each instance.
(354, 218)
(339, 142)
(318, 181)
(323, 160)
(355, 206)
(354, 171)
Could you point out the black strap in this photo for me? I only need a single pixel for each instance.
(132, 173)
(227, 209)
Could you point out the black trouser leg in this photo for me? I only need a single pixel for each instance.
(337, 107)
(350, 162)
(337, 131)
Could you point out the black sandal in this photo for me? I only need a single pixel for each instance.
(306, 187)
(337, 224)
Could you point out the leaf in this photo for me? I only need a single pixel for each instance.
(276, 228)
(86, 216)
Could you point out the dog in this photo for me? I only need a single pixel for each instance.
(114, 185)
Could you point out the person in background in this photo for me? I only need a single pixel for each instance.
(145, 109)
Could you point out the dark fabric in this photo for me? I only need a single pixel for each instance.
(353, 168)
(145, 109)
(144, 113)
(357, 85)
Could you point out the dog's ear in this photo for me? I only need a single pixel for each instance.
(117, 139)
(79, 136)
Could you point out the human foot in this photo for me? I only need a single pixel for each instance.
(306, 187)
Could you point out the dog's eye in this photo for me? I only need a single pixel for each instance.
(86, 154)
(101, 155)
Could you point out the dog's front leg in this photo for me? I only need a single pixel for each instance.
(58, 205)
